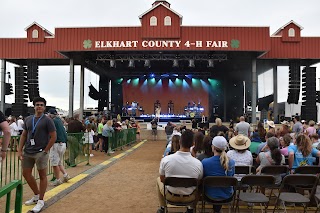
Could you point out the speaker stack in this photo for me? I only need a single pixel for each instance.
(309, 94)
(33, 80)
(21, 92)
(294, 82)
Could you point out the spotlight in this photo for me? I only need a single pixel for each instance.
(147, 63)
(210, 63)
(131, 63)
(152, 75)
(191, 63)
(112, 63)
(175, 63)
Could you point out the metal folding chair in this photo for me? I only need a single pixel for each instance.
(218, 181)
(181, 182)
(305, 182)
(255, 182)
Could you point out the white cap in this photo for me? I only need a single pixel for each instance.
(220, 142)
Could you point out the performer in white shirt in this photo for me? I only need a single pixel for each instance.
(158, 111)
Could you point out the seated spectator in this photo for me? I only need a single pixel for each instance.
(302, 153)
(175, 144)
(262, 147)
(180, 164)
(271, 157)
(315, 141)
(168, 147)
(218, 165)
(311, 130)
(230, 134)
(197, 149)
(271, 127)
(207, 141)
(285, 143)
(284, 129)
(262, 132)
(240, 153)
(255, 142)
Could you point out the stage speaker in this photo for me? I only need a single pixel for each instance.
(103, 93)
(21, 85)
(309, 94)
(294, 82)
(33, 80)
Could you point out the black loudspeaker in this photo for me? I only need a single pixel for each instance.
(21, 86)
(309, 94)
(103, 93)
(294, 82)
(33, 80)
(19, 109)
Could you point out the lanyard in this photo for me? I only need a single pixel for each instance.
(35, 125)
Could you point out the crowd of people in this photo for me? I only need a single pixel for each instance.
(216, 152)
(43, 137)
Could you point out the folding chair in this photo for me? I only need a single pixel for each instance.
(244, 170)
(306, 182)
(255, 181)
(311, 170)
(218, 181)
(317, 198)
(180, 182)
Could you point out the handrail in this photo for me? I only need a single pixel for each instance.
(7, 189)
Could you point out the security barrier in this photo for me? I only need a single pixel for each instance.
(77, 152)
(7, 189)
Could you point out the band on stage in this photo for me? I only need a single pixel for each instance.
(134, 109)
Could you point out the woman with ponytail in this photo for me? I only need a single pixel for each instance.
(218, 165)
(302, 153)
(272, 157)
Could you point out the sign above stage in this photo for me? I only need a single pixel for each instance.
(234, 43)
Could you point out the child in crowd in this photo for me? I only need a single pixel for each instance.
(88, 140)
(175, 144)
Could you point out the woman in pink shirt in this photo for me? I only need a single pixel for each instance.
(285, 143)
(311, 130)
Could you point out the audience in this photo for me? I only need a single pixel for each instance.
(207, 141)
(197, 149)
(302, 153)
(218, 165)
(285, 143)
(180, 164)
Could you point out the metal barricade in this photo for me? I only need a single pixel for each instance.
(6, 191)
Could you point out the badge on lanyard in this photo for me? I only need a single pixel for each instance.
(34, 125)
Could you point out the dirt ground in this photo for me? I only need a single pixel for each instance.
(127, 186)
(98, 158)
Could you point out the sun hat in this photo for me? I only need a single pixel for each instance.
(220, 142)
(240, 142)
(271, 123)
(285, 123)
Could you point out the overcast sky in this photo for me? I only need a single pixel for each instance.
(15, 15)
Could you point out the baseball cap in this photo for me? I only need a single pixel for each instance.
(220, 142)
(52, 111)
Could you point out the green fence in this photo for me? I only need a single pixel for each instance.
(77, 152)
(7, 189)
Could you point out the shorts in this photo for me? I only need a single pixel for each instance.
(56, 154)
(154, 132)
(100, 136)
(40, 159)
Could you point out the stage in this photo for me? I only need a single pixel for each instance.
(164, 118)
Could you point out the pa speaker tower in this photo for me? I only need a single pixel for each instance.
(294, 82)
(33, 80)
(309, 94)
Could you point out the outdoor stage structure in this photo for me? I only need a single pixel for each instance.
(161, 61)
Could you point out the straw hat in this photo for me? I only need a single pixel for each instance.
(285, 123)
(271, 123)
(240, 142)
